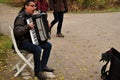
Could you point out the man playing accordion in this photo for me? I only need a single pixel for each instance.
(23, 39)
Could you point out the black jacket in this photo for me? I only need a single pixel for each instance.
(21, 28)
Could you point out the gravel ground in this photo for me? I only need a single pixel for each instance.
(75, 57)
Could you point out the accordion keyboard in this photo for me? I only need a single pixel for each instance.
(33, 33)
(34, 37)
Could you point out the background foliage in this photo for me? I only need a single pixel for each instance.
(77, 5)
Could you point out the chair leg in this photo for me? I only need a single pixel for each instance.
(21, 69)
(16, 67)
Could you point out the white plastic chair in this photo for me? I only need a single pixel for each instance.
(25, 58)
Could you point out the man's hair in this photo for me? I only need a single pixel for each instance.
(26, 3)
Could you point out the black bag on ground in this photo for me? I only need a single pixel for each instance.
(112, 56)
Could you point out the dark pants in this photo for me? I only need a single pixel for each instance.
(58, 17)
(36, 50)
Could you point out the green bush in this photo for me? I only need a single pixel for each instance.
(4, 1)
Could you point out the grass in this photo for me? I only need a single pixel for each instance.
(5, 43)
(5, 57)
(5, 46)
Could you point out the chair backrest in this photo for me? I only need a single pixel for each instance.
(16, 48)
(13, 39)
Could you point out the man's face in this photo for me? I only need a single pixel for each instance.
(30, 8)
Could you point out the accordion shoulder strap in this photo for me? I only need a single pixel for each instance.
(104, 73)
(107, 58)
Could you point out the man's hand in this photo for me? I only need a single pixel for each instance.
(31, 25)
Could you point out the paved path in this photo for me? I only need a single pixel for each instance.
(76, 57)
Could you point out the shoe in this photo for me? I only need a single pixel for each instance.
(60, 35)
(47, 69)
(41, 75)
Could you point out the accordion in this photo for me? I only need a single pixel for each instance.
(40, 33)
